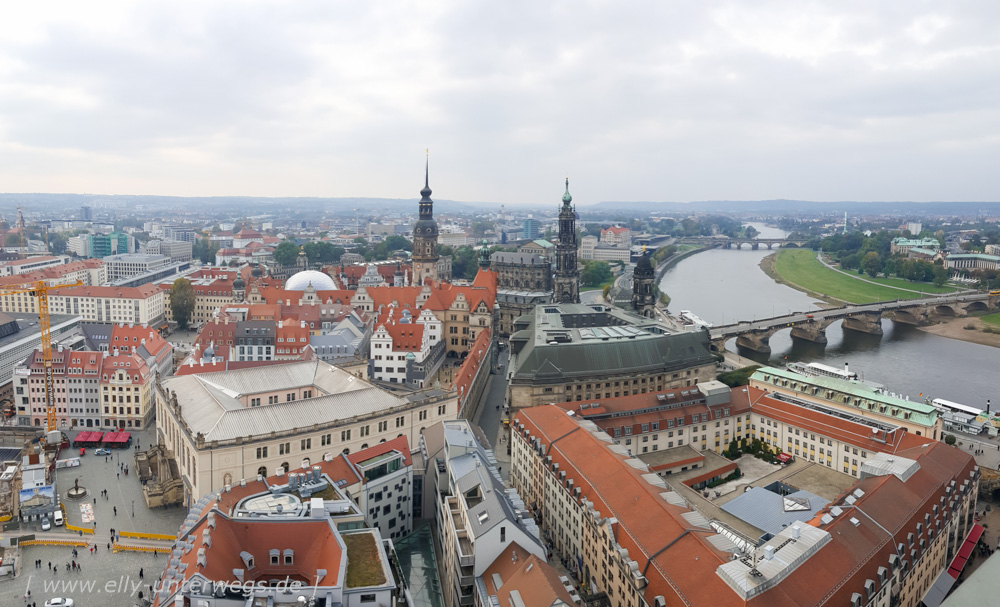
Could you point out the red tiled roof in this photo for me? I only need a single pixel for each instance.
(683, 568)
(478, 355)
(314, 543)
(397, 444)
(533, 578)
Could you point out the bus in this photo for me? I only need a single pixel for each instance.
(994, 293)
(946, 405)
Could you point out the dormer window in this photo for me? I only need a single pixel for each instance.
(275, 555)
(288, 554)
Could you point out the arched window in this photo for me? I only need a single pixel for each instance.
(262, 471)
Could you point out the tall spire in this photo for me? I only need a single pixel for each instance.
(426, 192)
(566, 197)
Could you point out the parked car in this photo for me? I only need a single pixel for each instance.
(83, 451)
(46, 525)
(57, 518)
(59, 603)
(102, 451)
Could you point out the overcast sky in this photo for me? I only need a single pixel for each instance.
(632, 100)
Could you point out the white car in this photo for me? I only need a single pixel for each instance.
(46, 525)
(59, 603)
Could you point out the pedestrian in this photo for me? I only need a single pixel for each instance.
(50, 565)
(95, 501)
(154, 554)
(109, 546)
(140, 573)
(118, 475)
(116, 510)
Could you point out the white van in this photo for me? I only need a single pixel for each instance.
(57, 518)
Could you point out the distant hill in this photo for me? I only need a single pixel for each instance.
(798, 206)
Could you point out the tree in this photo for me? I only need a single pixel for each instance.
(286, 253)
(950, 439)
(872, 263)
(595, 273)
(182, 301)
(395, 243)
(940, 275)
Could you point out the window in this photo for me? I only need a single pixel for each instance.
(284, 448)
(345, 435)
(442, 409)
(422, 415)
(324, 440)
(261, 452)
(305, 443)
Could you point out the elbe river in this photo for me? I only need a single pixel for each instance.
(726, 286)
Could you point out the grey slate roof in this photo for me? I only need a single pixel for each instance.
(765, 509)
(210, 401)
(588, 342)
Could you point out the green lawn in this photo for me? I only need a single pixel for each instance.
(801, 267)
(993, 319)
(902, 283)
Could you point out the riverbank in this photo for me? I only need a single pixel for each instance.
(768, 266)
(954, 328)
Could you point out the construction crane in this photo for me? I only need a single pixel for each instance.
(40, 291)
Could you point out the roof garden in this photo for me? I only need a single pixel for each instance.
(364, 560)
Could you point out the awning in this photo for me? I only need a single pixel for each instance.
(109, 438)
(784, 457)
(82, 437)
(123, 437)
(936, 594)
(95, 437)
(965, 552)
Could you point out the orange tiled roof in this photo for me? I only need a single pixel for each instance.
(678, 565)
(478, 355)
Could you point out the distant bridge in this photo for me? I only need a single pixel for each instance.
(866, 318)
(724, 242)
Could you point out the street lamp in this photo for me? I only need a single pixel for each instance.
(133, 508)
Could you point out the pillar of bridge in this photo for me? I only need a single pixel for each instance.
(718, 345)
(755, 246)
(814, 330)
(756, 340)
(916, 315)
(865, 322)
(769, 245)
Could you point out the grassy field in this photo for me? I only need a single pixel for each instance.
(902, 283)
(800, 267)
(992, 319)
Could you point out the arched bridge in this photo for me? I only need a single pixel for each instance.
(725, 242)
(866, 318)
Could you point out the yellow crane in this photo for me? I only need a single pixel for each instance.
(40, 291)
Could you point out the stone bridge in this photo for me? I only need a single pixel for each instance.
(866, 318)
(724, 242)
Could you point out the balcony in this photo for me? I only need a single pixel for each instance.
(466, 554)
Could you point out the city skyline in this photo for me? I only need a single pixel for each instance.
(641, 102)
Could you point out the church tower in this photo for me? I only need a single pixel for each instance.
(643, 289)
(301, 262)
(566, 286)
(425, 236)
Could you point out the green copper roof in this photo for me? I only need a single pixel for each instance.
(920, 412)
(566, 197)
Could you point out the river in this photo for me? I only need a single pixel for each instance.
(723, 286)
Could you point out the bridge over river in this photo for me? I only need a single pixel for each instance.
(811, 326)
(726, 242)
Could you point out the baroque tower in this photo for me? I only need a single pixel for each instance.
(566, 286)
(643, 291)
(425, 236)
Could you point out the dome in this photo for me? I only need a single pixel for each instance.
(301, 280)
(256, 272)
(238, 284)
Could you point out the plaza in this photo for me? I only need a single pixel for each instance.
(106, 577)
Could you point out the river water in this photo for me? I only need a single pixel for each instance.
(724, 286)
